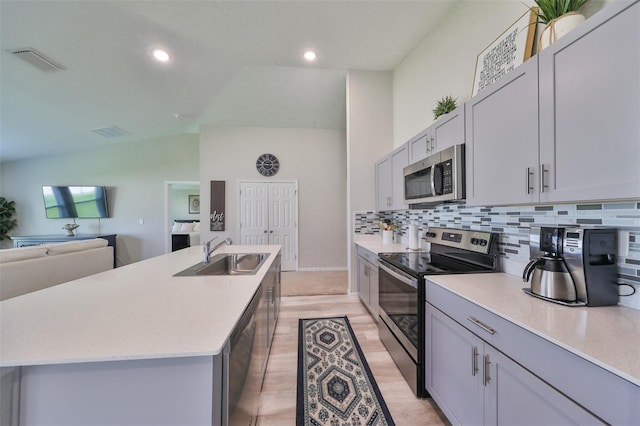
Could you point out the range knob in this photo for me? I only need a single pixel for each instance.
(474, 241)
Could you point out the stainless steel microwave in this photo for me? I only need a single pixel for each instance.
(437, 178)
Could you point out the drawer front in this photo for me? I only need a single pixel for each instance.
(608, 396)
(369, 256)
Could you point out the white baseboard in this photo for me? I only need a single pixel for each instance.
(322, 269)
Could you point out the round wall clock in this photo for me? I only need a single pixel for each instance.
(267, 164)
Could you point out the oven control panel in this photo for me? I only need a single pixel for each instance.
(477, 241)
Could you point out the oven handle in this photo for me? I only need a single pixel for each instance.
(399, 275)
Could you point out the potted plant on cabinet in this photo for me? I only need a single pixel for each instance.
(444, 105)
(559, 17)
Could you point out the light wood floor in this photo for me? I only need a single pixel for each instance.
(278, 403)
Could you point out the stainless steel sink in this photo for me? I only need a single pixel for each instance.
(227, 264)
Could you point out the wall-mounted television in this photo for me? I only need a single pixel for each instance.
(82, 202)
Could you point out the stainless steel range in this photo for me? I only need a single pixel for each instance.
(402, 294)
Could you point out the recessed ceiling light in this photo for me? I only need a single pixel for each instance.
(161, 55)
(310, 55)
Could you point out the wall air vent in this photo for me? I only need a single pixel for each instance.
(111, 132)
(36, 59)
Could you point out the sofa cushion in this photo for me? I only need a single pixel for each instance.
(22, 253)
(73, 246)
(26, 276)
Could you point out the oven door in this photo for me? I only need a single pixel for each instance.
(398, 299)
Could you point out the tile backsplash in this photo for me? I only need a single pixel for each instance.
(513, 222)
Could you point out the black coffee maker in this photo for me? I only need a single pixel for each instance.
(573, 266)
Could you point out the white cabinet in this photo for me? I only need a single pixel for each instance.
(390, 180)
(589, 109)
(502, 140)
(543, 376)
(368, 280)
(419, 146)
(563, 126)
(474, 383)
(446, 131)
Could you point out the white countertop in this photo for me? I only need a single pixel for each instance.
(374, 244)
(608, 336)
(139, 311)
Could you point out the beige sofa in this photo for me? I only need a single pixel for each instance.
(27, 269)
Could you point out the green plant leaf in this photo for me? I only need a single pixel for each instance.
(552, 9)
(445, 105)
(7, 222)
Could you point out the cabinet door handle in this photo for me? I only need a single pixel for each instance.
(482, 325)
(542, 172)
(486, 378)
(474, 361)
(366, 270)
(529, 188)
(433, 144)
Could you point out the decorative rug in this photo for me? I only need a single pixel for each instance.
(335, 384)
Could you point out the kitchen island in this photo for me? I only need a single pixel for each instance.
(130, 345)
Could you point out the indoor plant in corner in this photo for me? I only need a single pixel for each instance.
(444, 106)
(7, 221)
(559, 17)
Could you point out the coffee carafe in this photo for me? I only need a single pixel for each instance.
(550, 278)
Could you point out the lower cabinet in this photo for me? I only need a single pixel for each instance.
(474, 383)
(269, 310)
(368, 280)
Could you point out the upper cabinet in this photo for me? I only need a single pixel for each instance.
(446, 131)
(590, 109)
(390, 180)
(502, 140)
(584, 143)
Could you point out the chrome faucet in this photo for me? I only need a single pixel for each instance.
(207, 249)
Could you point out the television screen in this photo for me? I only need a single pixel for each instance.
(88, 202)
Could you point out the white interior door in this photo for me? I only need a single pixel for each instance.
(269, 215)
(254, 226)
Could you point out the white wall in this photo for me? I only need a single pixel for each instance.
(316, 158)
(369, 138)
(444, 62)
(179, 203)
(134, 175)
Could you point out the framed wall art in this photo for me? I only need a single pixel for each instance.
(510, 49)
(194, 204)
(217, 207)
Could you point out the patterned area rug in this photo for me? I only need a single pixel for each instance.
(335, 384)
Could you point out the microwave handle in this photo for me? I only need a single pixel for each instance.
(432, 171)
(437, 172)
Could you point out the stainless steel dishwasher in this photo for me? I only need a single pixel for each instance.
(243, 365)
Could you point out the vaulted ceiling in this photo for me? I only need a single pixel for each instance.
(233, 63)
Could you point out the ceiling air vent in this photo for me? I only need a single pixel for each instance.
(36, 59)
(111, 132)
